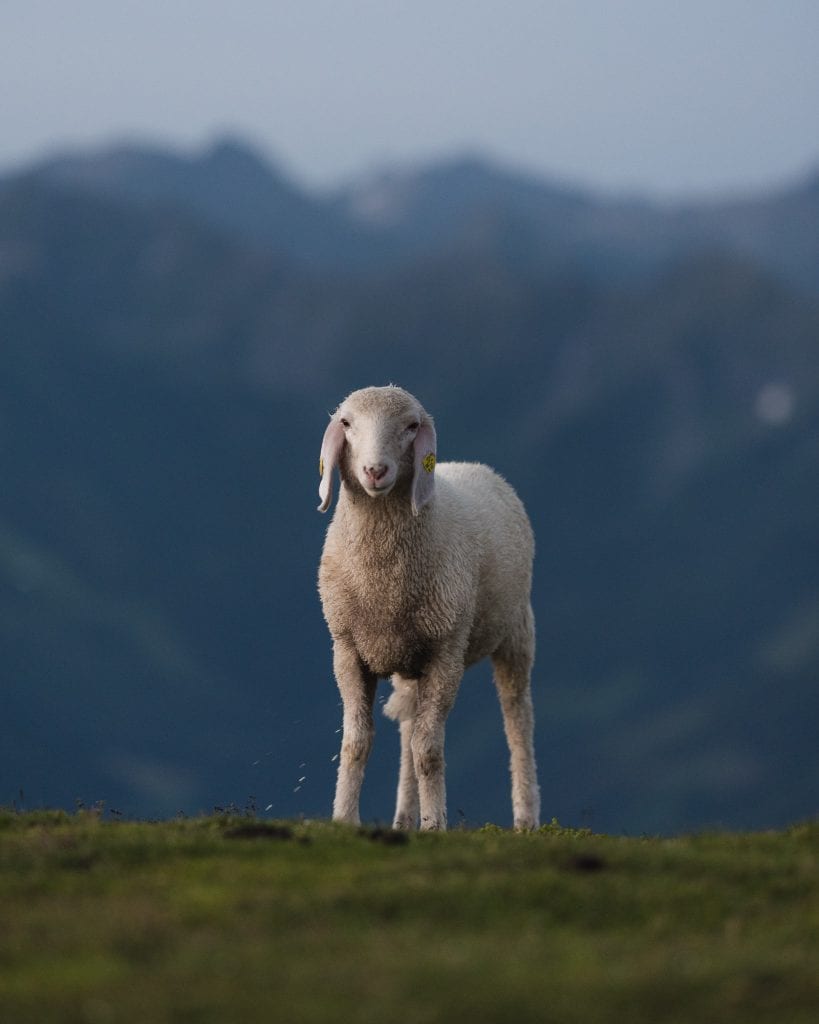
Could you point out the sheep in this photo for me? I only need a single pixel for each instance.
(426, 569)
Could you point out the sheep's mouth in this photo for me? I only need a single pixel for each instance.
(376, 490)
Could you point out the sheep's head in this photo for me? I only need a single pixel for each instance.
(380, 438)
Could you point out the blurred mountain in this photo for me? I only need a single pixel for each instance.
(781, 232)
(168, 365)
(460, 206)
(469, 202)
(229, 185)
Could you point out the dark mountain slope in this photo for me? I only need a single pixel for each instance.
(165, 387)
(780, 231)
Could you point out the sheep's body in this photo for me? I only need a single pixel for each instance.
(401, 586)
(419, 596)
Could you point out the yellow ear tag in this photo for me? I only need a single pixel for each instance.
(429, 462)
(321, 466)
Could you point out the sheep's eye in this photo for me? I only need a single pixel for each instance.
(344, 423)
(413, 426)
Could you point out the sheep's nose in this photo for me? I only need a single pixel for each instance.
(376, 472)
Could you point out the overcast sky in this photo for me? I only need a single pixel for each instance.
(663, 96)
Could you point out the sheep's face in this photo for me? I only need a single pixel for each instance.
(380, 437)
(378, 443)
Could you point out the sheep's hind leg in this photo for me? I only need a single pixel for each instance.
(436, 695)
(357, 687)
(402, 707)
(512, 667)
(406, 805)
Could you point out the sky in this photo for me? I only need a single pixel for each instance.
(657, 97)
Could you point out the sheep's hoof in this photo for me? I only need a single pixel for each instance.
(347, 819)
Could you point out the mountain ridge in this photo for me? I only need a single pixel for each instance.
(388, 217)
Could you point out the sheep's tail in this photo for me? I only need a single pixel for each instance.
(403, 702)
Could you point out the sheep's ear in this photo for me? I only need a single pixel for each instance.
(331, 447)
(424, 456)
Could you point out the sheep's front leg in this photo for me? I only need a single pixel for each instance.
(436, 695)
(357, 687)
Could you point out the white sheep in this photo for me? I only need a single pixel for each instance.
(426, 569)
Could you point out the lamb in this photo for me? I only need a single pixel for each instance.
(426, 569)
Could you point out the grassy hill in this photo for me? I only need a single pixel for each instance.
(238, 919)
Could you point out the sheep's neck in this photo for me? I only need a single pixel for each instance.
(381, 531)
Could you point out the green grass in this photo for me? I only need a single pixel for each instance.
(234, 920)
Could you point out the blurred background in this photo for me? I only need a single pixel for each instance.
(585, 236)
